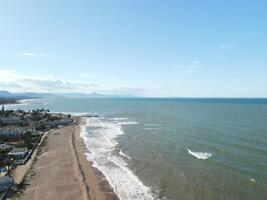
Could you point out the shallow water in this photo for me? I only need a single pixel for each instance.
(100, 138)
(176, 148)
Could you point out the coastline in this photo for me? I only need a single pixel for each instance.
(62, 171)
(99, 188)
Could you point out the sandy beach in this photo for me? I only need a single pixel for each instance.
(62, 171)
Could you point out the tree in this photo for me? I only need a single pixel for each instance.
(27, 139)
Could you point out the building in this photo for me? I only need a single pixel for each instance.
(19, 155)
(10, 120)
(60, 122)
(15, 132)
(5, 147)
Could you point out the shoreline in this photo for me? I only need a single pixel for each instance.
(97, 180)
(62, 171)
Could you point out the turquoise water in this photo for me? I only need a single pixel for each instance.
(185, 148)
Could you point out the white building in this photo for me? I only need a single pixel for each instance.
(19, 155)
(15, 132)
(10, 120)
(6, 147)
(59, 122)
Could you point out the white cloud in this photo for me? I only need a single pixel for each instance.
(6, 75)
(14, 82)
(17, 82)
(31, 54)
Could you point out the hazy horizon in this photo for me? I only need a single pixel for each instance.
(95, 94)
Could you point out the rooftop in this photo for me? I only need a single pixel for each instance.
(19, 150)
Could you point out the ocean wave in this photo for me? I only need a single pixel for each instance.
(200, 155)
(78, 114)
(124, 155)
(151, 128)
(119, 118)
(129, 123)
(103, 153)
(123, 121)
(252, 179)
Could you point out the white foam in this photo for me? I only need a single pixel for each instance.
(129, 123)
(101, 143)
(200, 155)
(252, 179)
(151, 128)
(124, 155)
(78, 114)
(119, 118)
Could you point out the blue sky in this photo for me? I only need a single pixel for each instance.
(151, 48)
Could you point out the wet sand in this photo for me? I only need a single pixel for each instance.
(62, 171)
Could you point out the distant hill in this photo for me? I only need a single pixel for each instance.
(5, 94)
(26, 95)
(32, 95)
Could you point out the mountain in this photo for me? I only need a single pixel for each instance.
(5, 94)
(23, 95)
(33, 95)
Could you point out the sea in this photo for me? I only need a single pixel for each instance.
(173, 148)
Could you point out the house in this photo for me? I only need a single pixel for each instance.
(19, 155)
(11, 132)
(15, 132)
(5, 147)
(60, 122)
(10, 120)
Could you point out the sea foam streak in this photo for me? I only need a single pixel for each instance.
(100, 138)
(124, 155)
(129, 123)
(200, 155)
(252, 179)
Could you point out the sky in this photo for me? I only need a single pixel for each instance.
(182, 48)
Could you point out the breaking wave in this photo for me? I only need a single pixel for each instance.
(200, 155)
(124, 155)
(128, 123)
(100, 135)
(252, 179)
